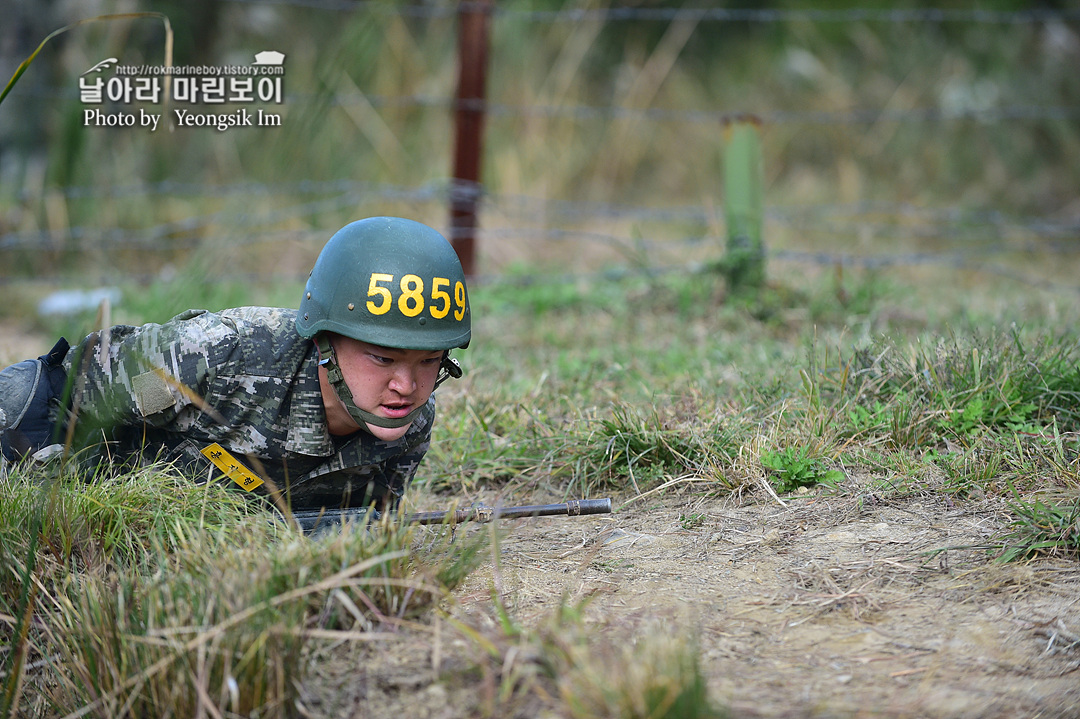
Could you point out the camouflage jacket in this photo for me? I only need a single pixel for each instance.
(244, 379)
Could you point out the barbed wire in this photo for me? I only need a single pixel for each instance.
(672, 14)
(863, 116)
(781, 15)
(102, 278)
(533, 208)
(953, 261)
(873, 219)
(179, 233)
(641, 253)
(971, 260)
(436, 190)
(824, 259)
(540, 209)
(1035, 235)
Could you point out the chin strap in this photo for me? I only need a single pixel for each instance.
(328, 359)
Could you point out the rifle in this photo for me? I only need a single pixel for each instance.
(322, 519)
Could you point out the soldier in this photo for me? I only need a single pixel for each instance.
(333, 403)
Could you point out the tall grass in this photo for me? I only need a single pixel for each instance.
(151, 595)
(955, 388)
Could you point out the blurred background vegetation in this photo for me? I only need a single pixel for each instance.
(894, 136)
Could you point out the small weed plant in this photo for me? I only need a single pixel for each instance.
(792, 468)
(1043, 528)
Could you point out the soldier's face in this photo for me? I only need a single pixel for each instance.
(384, 381)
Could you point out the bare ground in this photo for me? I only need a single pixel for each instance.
(830, 606)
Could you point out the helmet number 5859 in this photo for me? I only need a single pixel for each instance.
(411, 301)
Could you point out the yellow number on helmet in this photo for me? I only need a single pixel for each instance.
(459, 300)
(374, 290)
(411, 302)
(439, 294)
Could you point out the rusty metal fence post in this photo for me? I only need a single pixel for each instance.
(474, 20)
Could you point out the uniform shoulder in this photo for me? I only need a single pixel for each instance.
(249, 319)
(268, 338)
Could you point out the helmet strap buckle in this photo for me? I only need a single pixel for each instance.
(449, 367)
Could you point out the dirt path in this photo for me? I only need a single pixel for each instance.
(828, 607)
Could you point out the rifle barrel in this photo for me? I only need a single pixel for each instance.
(309, 520)
(572, 508)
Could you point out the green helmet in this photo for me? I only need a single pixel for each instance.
(390, 282)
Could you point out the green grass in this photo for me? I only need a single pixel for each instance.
(1043, 528)
(144, 580)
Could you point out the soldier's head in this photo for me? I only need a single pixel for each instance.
(385, 303)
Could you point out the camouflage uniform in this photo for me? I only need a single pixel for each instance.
(147, 388)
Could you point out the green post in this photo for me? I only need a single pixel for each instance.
(744, 260)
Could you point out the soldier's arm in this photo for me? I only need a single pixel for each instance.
(128, 375)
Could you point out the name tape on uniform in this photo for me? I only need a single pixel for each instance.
(231, 467)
